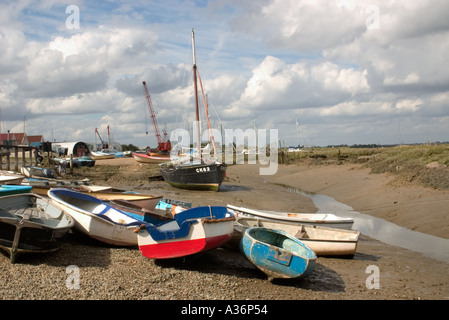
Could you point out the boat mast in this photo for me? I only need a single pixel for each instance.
(207, 116)
(109, 139)
(196, 92)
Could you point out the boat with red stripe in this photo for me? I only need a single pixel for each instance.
(190, 232)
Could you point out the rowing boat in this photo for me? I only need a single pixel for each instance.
(277, 254)
(190, 232)
(317, 219)
(96, 218)
(30, 223)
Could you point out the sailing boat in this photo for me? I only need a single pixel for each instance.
(199, 174)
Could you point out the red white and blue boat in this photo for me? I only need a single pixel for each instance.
(190, 232)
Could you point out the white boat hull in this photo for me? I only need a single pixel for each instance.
(115, 232)
(317, 219)
(143, 158)
(101, 155)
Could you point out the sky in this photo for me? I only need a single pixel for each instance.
(319, 72)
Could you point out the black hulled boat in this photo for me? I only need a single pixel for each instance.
(204, 175)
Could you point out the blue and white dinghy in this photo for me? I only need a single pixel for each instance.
(277, 254)
(96, 218)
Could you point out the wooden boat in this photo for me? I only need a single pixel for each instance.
(31, 223)
(277, 254)
(190, 232)
(191, 175)
(76, 162)
(146, 201)
(317, 219)
(165, 209)
(152, 216)
(194, 177)
(111, 152)
(96, 218)
(324, 241)
(99, 155)
(36, 172)
(38, 176)
(153, 158)
(9, 189)
(8, 177)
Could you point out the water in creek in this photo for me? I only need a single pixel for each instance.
(382, 230)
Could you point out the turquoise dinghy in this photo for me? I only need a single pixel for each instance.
(8, 189)
(277, 254)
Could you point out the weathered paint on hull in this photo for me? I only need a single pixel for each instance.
(39, 225)
(195, 186)
(324, 241)
(284, 257)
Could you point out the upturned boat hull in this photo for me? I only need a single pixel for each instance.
(195, 177)
(277, 254)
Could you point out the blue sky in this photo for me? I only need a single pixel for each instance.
(352, 72)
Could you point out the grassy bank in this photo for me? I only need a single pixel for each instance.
(425, 164)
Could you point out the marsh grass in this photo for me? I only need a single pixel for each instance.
(425, 164)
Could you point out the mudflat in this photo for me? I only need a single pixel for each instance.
(378, 271)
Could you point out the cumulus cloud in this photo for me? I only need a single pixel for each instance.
(276, 85)
(342, 66)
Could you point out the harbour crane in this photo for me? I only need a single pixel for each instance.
(103, 145)
(163, 144)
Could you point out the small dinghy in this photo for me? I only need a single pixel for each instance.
(316, 219)
(9, 189)
(31, 223)
(96, 218)
(147, 158)
(190, 232)
(9, 177)
(277, 254)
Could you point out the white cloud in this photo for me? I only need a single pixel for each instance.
(340, 65)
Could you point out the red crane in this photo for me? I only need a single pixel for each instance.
(163, 144)
(103, 145)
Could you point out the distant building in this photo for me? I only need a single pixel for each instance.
(77, 148)
(20, 139)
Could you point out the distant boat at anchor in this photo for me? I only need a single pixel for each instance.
(196, 174)
(150, 158)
